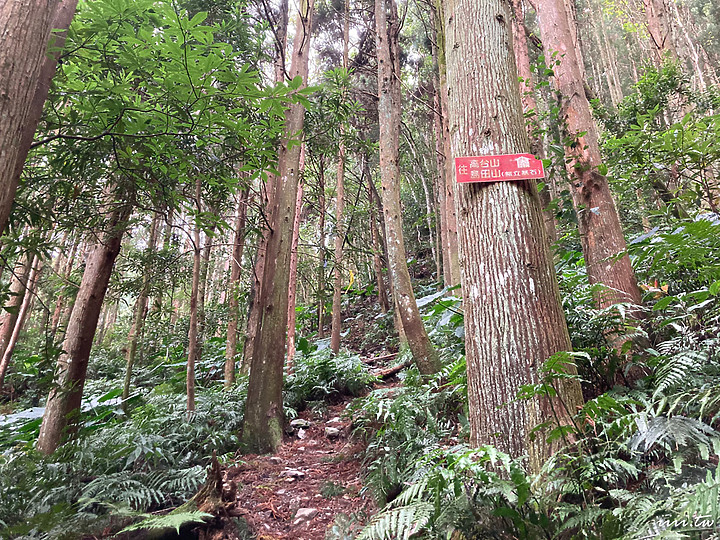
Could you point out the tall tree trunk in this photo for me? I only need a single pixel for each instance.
(24, 31)
(376, 247)
(194, 295)
(6, 354)
(440, 181)
(691, 49)
(439, 139)
(255, 310)
(529, 104)
(513, 316)
(234, 287)
(452, 275)
(18, 286)
(321, 247)
(63, 405)
(336, 327)
(607, 54)
(292, 289)
(140, 309)
(601, 234)
(389, 110)
(9, 317)
(263, 427)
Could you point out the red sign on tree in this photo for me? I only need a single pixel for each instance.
(498, 168)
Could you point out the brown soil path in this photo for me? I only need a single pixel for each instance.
(298, 492)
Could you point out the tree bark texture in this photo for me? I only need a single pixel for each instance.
(513, 316)
(452, 274)
(657, 18)
(336, 326)
(389, 111)
(63, 405)
(529, 104)
(254, 311)
(601, 233)
(263, 427)
(234, 287)
(27, 72)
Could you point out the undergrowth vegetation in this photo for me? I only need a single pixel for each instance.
(120, 467)
(645, 458)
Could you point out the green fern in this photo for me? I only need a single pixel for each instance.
(676, 370)
(173, 520)
(398, 523)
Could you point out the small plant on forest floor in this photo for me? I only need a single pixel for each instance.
(330, 489)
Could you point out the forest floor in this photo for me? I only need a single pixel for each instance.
(314, 481)
(298, 492)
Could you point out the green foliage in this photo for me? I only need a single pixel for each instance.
(401, 424)
(321, 376)
(662, 144)
(173, 520)
(156, 459)
(640, 458)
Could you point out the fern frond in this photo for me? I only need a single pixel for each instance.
(675, 371)
(169, 521)
(122, 487)
(680, 430)
(585, 520)
(398, 523)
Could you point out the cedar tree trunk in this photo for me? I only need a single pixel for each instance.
(21, 319)
(63, 405)
(26, 75)
(263, 427)
(513, 316)
(452, 273)
(601, 234)
(8, 319)
(389, 111)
